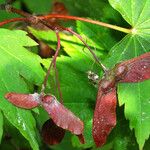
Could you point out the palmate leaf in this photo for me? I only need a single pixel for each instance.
(136, 13)
(17, 65)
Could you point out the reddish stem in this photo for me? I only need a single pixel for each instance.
(56, 71)
(53, 62)
(13, 20)
(9, 8)
(86, 20)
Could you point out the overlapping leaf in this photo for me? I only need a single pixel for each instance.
(136, 13)
(17, 65)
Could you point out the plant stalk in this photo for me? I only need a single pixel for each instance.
(53, 62)
(86, 20)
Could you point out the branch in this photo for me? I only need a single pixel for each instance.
(86, 20)
(9, 8)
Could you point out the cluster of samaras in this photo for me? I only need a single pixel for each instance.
(104, 120)
(62, 119)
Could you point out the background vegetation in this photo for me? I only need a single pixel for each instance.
(22, 70)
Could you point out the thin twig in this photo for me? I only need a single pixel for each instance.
(53, 62)
(13, 20)
(95, 57)
(56, 71)
(9, 8)
(45, 17)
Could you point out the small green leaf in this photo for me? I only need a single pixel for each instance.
(1, 125)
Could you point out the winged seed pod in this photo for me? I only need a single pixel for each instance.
(27, 101)
(138, 69)
(104, 120)
(61, 116)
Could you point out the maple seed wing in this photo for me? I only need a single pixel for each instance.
(104, 119)
(61, 116)
(138, 69)
(51, 133)
(27, 101)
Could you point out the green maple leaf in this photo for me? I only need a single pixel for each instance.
(18, 65)
(136, 13)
